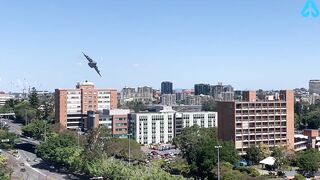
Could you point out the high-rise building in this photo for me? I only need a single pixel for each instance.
(72, 105)
(127, 94)
(314, 86)
(253, 121)
(144, 94)
(168, 99)
(166, 87)
(202, 89)
(163, 126)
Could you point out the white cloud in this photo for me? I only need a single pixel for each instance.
(136, 65)
(79, 63)
(0, 79)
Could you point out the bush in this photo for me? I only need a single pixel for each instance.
(249, 170)
(299, 177)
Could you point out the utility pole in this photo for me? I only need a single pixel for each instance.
(26, 114)
(79, 139)
(45, 131)
(129, 136)
(218, 148)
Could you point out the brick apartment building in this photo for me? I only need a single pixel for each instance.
(72, 105)
(116, 120)
(252, 121)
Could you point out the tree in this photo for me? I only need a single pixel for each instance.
(100, 142)
(299, 177)
(264, 149)
(118, 148)
(33, 98)
(234, 174)
(197, 146)
(4, 171)
(24, 112)
(110, 168)
(59, 149)
(253, 155)
(280, 154)
(309, 160)
(137, 106)
(178, 167)
(37, 129)
(7, 136)
(209, 105)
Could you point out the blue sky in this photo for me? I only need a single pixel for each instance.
(250, 44)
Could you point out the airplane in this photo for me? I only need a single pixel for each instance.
(92, 63)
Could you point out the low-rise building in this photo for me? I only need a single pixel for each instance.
(115, 119)
(163, 126)
(5, 97)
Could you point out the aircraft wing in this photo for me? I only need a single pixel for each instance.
(96, 68)
(87, 57)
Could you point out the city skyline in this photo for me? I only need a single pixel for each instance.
(255, 46)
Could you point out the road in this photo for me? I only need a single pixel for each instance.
(35, 168)
(13, 127)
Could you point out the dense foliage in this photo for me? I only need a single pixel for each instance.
(110, 168)
(4, 171)
(100, 155)
(60, 149)
(5, 135)
(198, 148)
(33, 108)
(37, 129)
(210, 105)
(307, 116)
(254, 155)
(137, 106)
(309, 160)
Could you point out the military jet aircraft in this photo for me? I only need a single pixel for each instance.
(92, 63)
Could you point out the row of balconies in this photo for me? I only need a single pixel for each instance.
(238, 113)
(261, 105)
(244, 132)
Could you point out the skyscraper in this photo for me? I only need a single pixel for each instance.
(203, 89)
(314, 86)
(166, 87)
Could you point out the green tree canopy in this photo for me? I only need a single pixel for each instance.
(253, 155)
(210, 105)
(100, 142)
(33, 98)
(37, 129)
(137, 106)
(25, 113)
(6, 135)
(198, 147)
(309, 160)
(59, 149)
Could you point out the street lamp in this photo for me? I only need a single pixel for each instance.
(129, 137)
(79, 129)
(218, 148)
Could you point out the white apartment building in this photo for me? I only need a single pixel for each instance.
(5, 97)
(163, 126)
(104, 98)
(168, 99)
